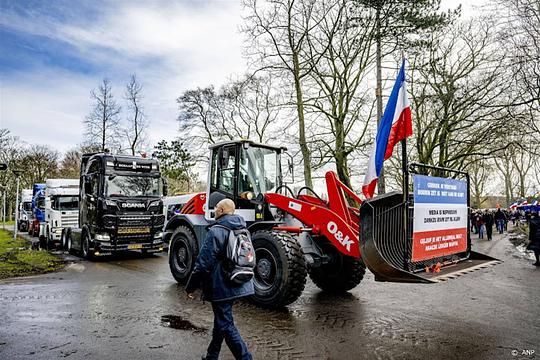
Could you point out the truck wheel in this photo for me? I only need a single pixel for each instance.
(69, 244)
(183, 251)
(63, 242)
(86, 247)
(341, 274)
(280, 273)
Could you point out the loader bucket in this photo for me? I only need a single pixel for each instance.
(385, 245)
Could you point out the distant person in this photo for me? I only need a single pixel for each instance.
(534, 236)
(209, 276)
(480, 225)
(500, 218)
(488, 221)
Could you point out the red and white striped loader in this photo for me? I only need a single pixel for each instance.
(299, 234)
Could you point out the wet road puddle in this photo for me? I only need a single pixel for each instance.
(177, 322)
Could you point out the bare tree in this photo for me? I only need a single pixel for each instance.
(39, 163)
(135, 131)
(278, 32)
(102, 122)
(70, 164)
(243, 108)
(504, 164)
(480, 171)
(458, 98)
(523, 162)
(340, 55)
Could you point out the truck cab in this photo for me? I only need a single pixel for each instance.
(38, 209)
(25, 210)
(120, 207)
(61, 209)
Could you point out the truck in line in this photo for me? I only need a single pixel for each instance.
(25, 210)
(61, 210)
(38, 209)
(120, 206)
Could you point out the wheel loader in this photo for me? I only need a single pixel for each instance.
(301, 234)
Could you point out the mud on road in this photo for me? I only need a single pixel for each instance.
(131, 308)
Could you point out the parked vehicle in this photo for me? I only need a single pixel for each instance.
(61, 210)
(299, 234)
(120, 206)
(25, 210)
(38, 209)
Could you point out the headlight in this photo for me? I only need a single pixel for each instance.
(158, 235)
(111, 203)
(103, 236)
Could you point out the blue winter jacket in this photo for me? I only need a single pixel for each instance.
(208, 273)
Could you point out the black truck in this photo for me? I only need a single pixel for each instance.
(120, 206)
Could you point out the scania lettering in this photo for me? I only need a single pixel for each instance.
(120, 208)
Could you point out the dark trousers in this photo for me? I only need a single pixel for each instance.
(224, 329)
(489, 231)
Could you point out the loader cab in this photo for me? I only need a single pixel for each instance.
(243, 171)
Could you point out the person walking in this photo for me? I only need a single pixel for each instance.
(208, 275)
(499, 219)
(534, 236)
(488, 221)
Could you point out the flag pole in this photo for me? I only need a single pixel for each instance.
(405, 170)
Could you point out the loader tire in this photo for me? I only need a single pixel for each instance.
(341, 274)
(280, 273)
(183, 252)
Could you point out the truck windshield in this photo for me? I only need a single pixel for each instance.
(121, 185)
(64, 203)
(27, 205)
(259, 171)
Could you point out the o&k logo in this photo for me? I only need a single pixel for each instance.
(338, 235)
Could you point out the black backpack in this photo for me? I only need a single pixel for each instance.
(239, 261)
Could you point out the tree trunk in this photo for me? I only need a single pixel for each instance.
(340, 155)
(306, 155)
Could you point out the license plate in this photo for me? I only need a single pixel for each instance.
(134, 246)
(135, 230)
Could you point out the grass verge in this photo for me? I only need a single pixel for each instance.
(17, 259)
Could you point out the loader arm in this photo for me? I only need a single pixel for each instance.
(321, 220)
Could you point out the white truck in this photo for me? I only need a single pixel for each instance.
(25, 210)
(61, 210)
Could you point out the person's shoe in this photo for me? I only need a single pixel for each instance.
(536, 263)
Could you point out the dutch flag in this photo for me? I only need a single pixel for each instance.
(395, 125)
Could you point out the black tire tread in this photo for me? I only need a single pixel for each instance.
(185, 229)
(349, 276)
(297, 270)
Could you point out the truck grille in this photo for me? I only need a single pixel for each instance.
(134, 221)
(70, 220)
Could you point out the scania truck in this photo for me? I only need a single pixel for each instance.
(61, 210)
(25, 210)
(38, 209)
(120, 206)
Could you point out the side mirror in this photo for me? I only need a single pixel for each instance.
(165, 186)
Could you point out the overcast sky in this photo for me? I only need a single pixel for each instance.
(55, 52)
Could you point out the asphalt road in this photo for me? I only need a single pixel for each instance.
(119, 309)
